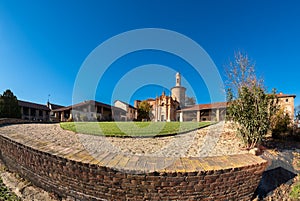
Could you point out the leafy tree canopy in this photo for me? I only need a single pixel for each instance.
(144, 110)
(9, 107)
(297, 112)
(190, 101)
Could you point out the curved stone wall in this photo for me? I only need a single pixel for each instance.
(118, 177)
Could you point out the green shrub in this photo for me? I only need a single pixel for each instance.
(252, 111)
(250, 106)
(6, 194)
(295, 192)
(281, 125)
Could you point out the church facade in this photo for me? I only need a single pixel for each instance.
(166, 107)
(163, 108)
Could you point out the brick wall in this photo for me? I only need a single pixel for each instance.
(6, 121)
(236, 180)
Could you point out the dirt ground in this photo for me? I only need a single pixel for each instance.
(283, 172)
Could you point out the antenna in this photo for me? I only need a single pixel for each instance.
(48, 98)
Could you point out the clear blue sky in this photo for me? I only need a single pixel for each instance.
(44, 43)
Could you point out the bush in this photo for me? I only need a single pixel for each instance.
(296, 133)
(281, 125)
(6, 194)
(295, 192)
(252, 112)
(250, 107)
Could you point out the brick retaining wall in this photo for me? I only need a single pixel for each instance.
(214, 178)
(7, 121)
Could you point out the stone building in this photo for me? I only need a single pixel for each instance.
(89, 111)
(204, 112)
(286, 102)
(217, 111)
(36, 112)
(131, 112)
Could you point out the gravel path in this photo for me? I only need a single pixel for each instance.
(214, 140)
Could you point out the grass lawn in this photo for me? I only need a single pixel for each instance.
(134, 129)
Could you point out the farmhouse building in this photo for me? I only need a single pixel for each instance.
(36, 112)
(286, 102)
(204, 112)
(89, 111)
(131, 112)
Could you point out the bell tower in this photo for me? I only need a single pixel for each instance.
(178, 80)
(178, 92)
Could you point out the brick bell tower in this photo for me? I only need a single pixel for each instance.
(178, 92)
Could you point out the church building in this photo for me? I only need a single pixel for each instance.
(166, 107)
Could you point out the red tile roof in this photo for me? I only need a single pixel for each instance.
(33, 105)
(206, 106)
(126, 104)
(89, 102)
(55, 106)
(281, 95)
(224, 104)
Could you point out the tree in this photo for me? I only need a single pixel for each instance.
(281, 124)
(144, 109)
(9, 107)
(250, 107)
(297, 112)
(190, 101)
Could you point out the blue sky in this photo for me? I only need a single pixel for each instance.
(43, 44)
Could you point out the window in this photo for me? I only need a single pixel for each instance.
(287, 100)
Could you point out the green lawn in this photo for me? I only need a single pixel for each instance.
(134, 129)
